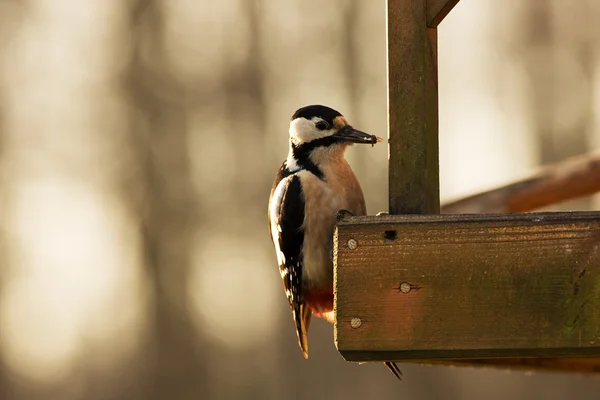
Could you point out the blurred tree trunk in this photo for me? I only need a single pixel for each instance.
(553, 50)
(352, 70)
(539, 38)
(243, 90)
(167, 207)
(4, 385)
(351, 54)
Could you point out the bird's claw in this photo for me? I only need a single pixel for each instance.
(340, 215)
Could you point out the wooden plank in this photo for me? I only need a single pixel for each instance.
(437, 11)
(575, 177)
(477, 286)
(413, 110)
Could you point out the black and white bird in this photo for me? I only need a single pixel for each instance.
(313, 185)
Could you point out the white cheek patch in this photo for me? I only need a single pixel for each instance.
(303, 130)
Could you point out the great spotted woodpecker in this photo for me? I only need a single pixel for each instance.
(312, 186)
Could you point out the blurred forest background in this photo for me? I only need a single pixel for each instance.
(138, 143)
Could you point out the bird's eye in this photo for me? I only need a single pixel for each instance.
(322, 125)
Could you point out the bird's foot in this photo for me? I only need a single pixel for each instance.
(394, 368)
(340, 215)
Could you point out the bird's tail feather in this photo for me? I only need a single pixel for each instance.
(302, 317)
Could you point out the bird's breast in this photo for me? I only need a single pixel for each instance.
(323, 199)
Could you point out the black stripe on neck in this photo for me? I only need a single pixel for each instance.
(302, 152)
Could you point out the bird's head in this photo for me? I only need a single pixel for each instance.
(318, 137)
(317, 126)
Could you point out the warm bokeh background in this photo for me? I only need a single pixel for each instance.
(138, 141)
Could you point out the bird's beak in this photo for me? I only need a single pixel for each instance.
(351, 135)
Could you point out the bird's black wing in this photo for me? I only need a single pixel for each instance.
(286, 216)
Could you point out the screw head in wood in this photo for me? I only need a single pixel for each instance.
(352, 244)
(405, 287)
(355, 323)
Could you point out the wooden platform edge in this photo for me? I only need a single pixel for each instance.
(580, 231)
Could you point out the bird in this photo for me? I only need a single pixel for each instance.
(312, 188)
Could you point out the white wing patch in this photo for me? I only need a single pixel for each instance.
(274, 214)
(286, 217)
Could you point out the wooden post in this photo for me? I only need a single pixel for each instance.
(455, 288)
(437, 11)
(413, 109)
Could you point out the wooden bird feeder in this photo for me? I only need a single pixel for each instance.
(516, 290)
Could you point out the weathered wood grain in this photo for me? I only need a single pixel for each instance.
(413, 109)
(437, 11)
(481, 286)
